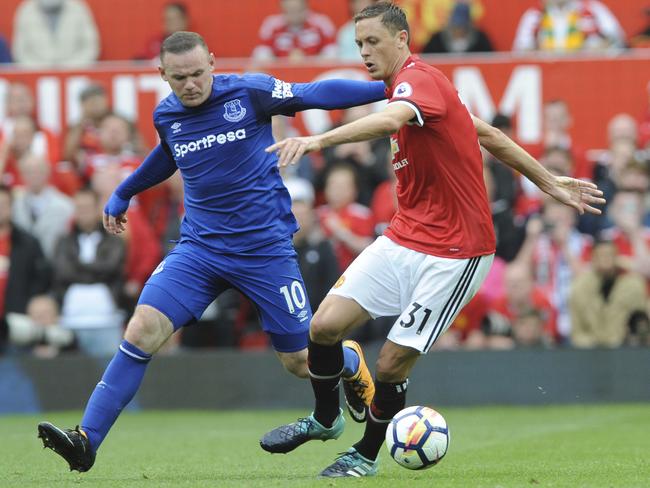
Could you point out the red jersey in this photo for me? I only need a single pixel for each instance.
(316, 36)
(354, 217)
(442, 202)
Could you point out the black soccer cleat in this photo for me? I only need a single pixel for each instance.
(71, 445)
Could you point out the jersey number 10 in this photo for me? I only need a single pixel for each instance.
(296, 298)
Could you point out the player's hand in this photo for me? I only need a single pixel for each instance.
(578, 194)
(115, 214)
(290, 150)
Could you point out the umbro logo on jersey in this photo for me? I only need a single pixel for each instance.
(176, 127)
(206, 142)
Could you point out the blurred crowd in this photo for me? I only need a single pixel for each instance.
(50, 33)
(559, 279)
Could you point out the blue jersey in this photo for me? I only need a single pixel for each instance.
(234, 197)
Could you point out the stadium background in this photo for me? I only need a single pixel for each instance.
(596, 87)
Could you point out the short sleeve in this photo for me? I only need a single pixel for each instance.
(419, 90)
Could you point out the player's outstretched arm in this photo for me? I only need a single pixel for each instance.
(156, 168)
(339, 94)
(575, 193)
(372, 126)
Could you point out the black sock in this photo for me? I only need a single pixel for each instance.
(325, 368)
(389, 399)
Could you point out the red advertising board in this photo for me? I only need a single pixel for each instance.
(595, 88)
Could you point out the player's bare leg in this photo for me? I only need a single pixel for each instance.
(335, 318)
(147, 331)
(295, 362)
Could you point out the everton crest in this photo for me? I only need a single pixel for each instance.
(234, 111)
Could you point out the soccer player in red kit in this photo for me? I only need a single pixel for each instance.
(436, 251)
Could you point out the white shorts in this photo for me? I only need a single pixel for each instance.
(426, 291)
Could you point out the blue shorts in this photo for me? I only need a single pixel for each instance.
(191, 276)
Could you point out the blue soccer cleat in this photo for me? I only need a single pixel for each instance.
(287, 437)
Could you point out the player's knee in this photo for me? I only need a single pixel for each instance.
(148, 329)
(323, 329)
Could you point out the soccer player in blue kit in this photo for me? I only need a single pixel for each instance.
(236, 232)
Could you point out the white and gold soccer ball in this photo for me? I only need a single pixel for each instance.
(417, 437)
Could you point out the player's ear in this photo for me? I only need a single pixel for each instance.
(211, 61)
(403, 38)
(161, 70)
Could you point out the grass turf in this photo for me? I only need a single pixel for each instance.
(567, 446)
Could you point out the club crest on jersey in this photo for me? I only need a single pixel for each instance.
(394, 147)
(234, 111)
(404, 89)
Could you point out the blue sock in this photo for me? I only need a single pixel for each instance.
(350, 362)
(117, 387)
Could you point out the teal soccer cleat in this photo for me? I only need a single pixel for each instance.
(350, 464)
(287, 437)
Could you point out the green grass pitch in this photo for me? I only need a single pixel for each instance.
(569, 446)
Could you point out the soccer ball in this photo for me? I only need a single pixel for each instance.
(417, 437)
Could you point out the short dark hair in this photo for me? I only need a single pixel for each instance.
(92, 90)
(181, 42)
(392, 17)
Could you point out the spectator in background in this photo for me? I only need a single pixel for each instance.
(520, 296)
(345, 38)
(367, 157)
(23, 140)
(54, 33)
(557, 124)
(554, 251)
(642, 39)
(24, 271)
(82, 139)
(116, 139)
(459, 35)
(568, 25)
(88, 278)
(622, 136)
(502, 189)
(348, 224)
(316, 257)
(559, 162)
(39, 207)
(629, 235)
(5, 52)
(427, 17)
(143, 247)
(39, 331)
(296, 33)
(384, 199)
(19, 102)
(175, 18)
(604, 299)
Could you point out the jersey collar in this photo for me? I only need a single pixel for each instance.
(409, 62)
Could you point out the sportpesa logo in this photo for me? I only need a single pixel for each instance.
(180, 150)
